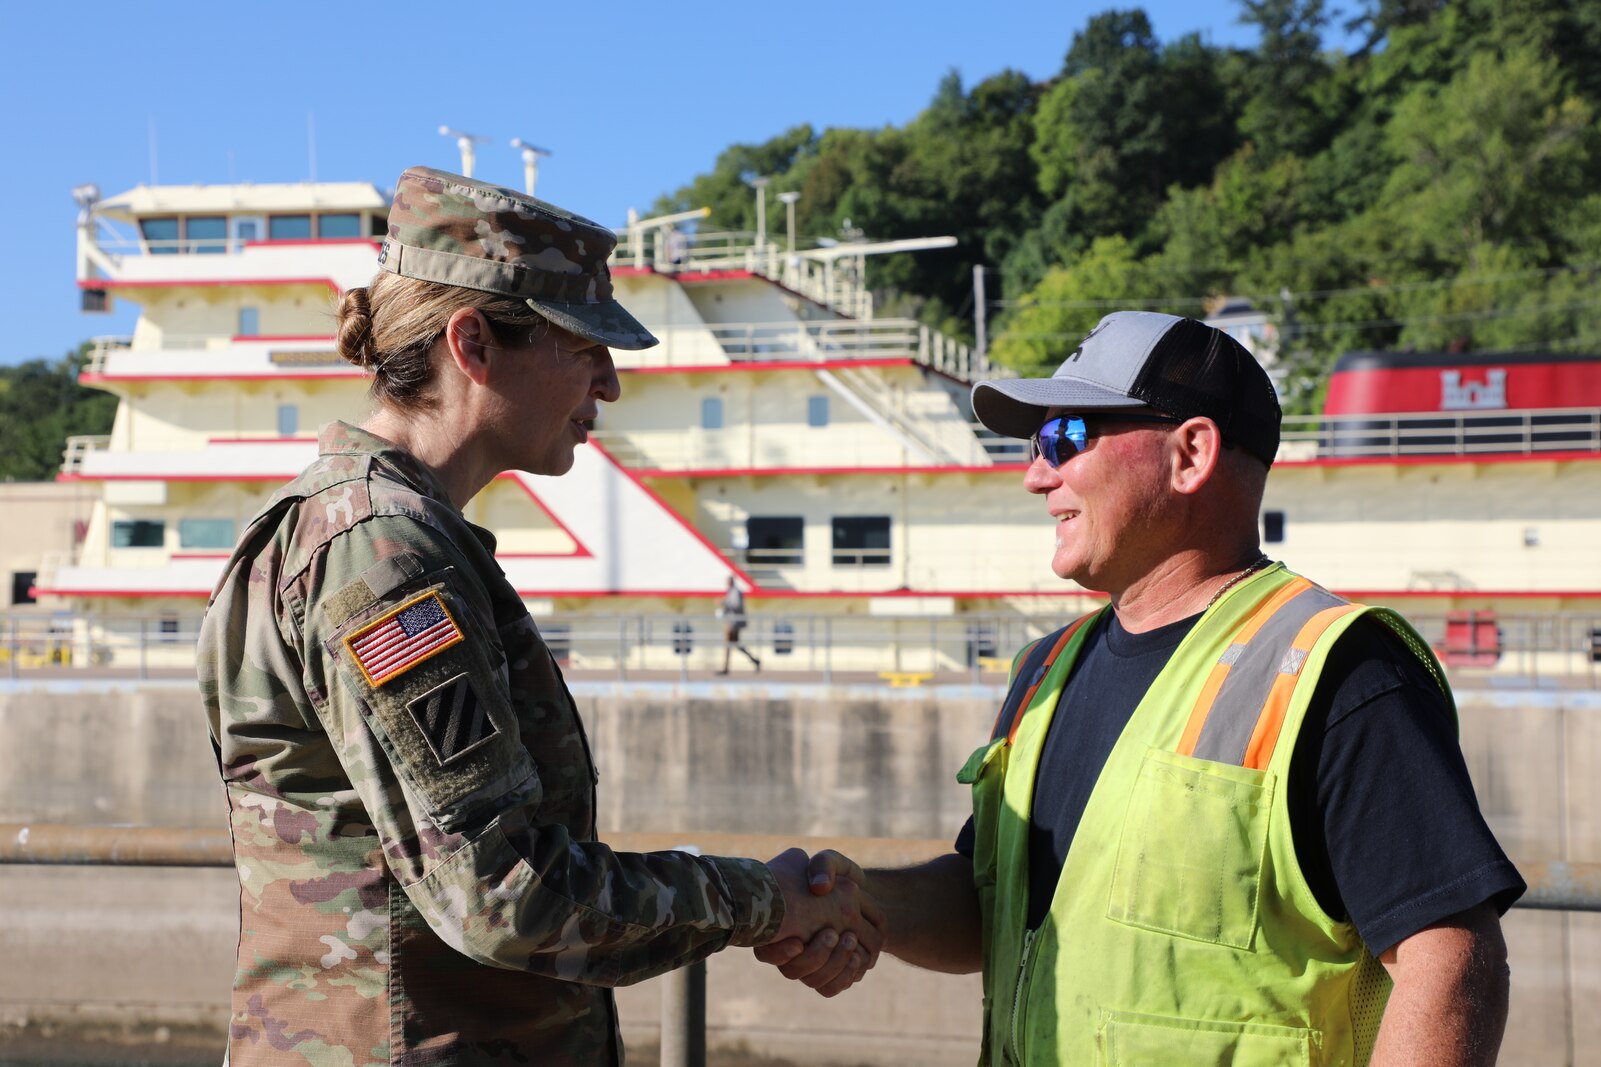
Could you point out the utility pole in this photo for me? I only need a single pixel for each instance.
(760, 185)
(980, 313)
(789, 199)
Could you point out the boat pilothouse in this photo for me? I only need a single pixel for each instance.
(766, 436)
(781, 433)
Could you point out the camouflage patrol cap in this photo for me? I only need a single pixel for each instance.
(454, 230)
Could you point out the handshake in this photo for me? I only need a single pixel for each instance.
(833, 930)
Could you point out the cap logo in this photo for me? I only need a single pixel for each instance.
(1080, 349)
(383, 253)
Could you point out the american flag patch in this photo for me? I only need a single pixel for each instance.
(391, 645)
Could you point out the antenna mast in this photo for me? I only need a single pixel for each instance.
(531, 154)
(465, 142)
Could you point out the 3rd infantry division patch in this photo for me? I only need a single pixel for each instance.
(393, 644)
(452, 718)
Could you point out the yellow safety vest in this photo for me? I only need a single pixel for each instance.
(1182, 930)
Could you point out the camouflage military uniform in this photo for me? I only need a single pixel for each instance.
(412, 797)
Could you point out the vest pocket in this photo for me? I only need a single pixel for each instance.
(1126, 1038)
(1190, 859)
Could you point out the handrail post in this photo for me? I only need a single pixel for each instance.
(13, 648)
(144, 666)
(684, 1016)
(828, 651)
(622, 648)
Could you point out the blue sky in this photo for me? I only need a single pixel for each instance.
(633, 98)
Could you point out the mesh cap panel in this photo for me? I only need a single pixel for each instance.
(1195, 369)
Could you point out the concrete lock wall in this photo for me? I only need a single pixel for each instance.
(142, 957)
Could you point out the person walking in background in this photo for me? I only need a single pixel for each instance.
(411, 794)
(1224, 819)
(732, 612)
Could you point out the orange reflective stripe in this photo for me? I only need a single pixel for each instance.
(1265, 738)
(1020, 662)
(1045, 668)
(1220, 670)
(1273, 604)
(1203, 706)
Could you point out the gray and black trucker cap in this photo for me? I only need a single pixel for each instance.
(1144, 361)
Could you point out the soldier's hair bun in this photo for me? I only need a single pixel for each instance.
(355, 329)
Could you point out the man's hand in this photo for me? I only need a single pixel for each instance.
(833, 931)
(932, 910)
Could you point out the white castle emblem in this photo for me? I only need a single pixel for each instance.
(1457, 395)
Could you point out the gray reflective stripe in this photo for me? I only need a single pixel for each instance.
(1232, 720)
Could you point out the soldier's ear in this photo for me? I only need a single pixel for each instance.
(469, 340)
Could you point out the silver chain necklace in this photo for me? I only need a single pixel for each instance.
(1256, 565)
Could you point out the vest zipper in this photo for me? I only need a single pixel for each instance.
(1017, 995)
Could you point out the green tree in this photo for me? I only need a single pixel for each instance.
(41, 405)
(961, 168)
(1127, 120)
(1050, 321)
(1211, 234)
(1283, 116)
(726, 190)
(1490, 158)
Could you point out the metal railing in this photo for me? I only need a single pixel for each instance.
(1553, 885)
(78, 449)
(833, 285)
(1428, 433)
(121, 245)
(103, 348)
(1535, 650)
(1461, 433)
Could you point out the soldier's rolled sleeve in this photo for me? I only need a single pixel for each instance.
(435, 754)
(534, 899)
(758, 902)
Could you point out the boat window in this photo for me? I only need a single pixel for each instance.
(205, 234)
(161, 236)
(817, 411)
(22, 587)
(138, 533)
(288, 419)
(339, 225)
(289, 227)
(249, 322)
(246, 228)
(861, 541)
(775, 540)
(711, 413)
(1273, 527)
(205, 533)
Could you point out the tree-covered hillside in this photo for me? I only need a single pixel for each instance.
(1440, 186)
(41, 404)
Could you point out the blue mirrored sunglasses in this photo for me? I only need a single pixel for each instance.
(1062, 438)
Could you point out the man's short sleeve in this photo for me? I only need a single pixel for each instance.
(1386, 822)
